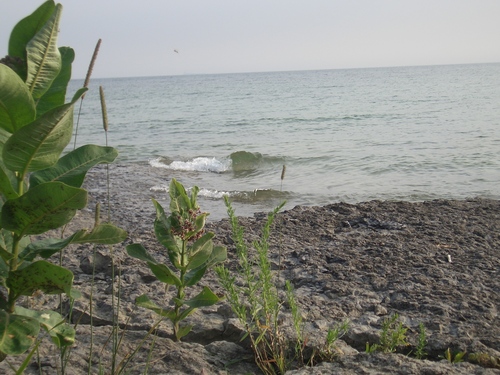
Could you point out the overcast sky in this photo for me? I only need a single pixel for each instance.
(226, 36)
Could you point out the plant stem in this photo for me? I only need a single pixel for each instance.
(13, 266)
(180, 290)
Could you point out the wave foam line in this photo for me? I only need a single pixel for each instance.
(199, 164)
(207, 193)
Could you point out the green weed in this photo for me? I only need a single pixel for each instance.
(454, 357)
(420, 352)
(191, 252)
(393, 335)
(40, 190)
(257, 302)
(484, 360)
(328, 352)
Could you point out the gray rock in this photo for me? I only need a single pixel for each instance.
(99, 264)
(360, 262)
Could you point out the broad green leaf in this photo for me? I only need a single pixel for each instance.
(46, 206)
(61, 333)
(160, 212)
(183, 331)
(4, 273)
(200, 222)
(205, 298)
(39, 144)
(8, 179)
(5, 255)
(78, 94)
(73, 167)
(47, 247)
(17, 107)
(4, 136)
(200, 258)
(43, 56)
(194, 194)
(161, 218)
(186, 313)
(179, 200)
(40, 275)
(17, 333)
(28, 27)
(145, 302)
(75, 294)
(104, 234)
(138, 251)
(6, 187)
(56, 95)
(164, 274)
(192, 277)
(7, 241)
(200, 251)
(171, 243)
(219, 255)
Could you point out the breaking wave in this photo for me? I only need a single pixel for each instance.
(239, 161)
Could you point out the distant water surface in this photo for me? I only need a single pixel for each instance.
(406, 133)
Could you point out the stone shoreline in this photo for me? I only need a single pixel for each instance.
(436, 263)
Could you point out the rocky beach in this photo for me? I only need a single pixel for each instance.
(434, 262)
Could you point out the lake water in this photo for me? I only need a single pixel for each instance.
(405, 133)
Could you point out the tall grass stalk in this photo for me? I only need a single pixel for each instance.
(127, 359)
(115, 302)
(64, 357)
(65, 351)
(283, 171)
(115, 292)
(105, 127)
(116, 367)
(86, 84)
(297, 321)
(91, 310)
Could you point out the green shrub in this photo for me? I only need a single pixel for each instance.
(257, 302)
(393, 335)
(420, 352)
(454, 357)
(484, 359)
(191, 252)
(39, 190)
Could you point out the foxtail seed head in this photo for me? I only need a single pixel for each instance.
(103, 108)
(91, 65)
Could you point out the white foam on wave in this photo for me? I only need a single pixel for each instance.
(213, 194)
(159, 188)
(200, 164)
(206, 193)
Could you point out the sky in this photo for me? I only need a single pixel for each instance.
(139, 38)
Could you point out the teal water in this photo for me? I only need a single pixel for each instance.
(407, 133)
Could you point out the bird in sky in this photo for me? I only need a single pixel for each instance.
(176, 51)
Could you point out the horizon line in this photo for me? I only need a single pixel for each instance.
(292, 70)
